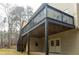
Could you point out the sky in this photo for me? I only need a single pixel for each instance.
(33, 3)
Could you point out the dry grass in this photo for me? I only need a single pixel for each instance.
(11, 52)
(5, 51)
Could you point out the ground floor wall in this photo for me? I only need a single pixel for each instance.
(69, 42)
(36, 45)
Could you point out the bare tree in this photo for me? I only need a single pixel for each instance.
(14, 16)
(2, 27)
(29, 12)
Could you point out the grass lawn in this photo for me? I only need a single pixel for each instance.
(5, 51)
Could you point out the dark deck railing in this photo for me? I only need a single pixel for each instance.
(47, 11)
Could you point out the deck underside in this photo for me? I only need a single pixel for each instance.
(39, 32)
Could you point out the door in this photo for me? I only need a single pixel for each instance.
(51, 46)
(55, 45)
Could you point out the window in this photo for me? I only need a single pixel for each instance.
(57, 43)
(36, 44)
(52, 43)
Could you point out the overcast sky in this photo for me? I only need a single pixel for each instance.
(33, 3)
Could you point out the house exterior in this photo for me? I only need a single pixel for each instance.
(53, 28)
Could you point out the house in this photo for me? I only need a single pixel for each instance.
(53, 28)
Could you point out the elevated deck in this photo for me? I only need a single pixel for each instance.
(46, 11)
(46, 21)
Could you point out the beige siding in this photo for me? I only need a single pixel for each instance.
(23, 23)
(69, 41)
(38, 48)
(77, 14)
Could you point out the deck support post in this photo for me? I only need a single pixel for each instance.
(28, 37)
(46, 38)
